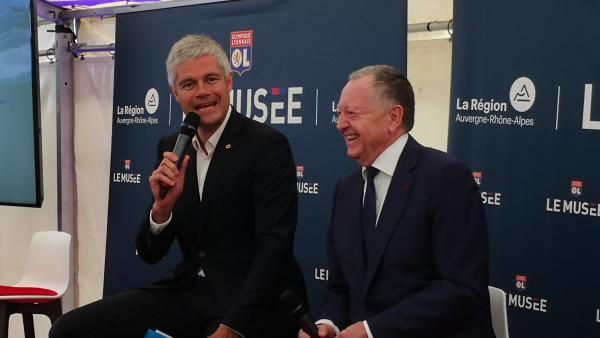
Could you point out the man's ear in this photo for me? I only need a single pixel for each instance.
(229, 81)
(174, 92)
(396, 116)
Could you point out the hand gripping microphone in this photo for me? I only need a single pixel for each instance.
(186, 133)
(296, 309)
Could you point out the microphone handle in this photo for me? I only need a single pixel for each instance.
(180, 145)
(163, 191)
(308, 326)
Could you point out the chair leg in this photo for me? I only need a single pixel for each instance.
(54, 310)
(28, 325)
(6, 309)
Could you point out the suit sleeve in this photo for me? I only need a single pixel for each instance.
(275, 205)
(460, 254)
(153, 248)
(335, 301)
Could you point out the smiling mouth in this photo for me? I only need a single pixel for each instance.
(205, 105)
(351, 137)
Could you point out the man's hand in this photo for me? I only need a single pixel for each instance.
(224, 332)
(356, 330)
(325, 331)
(167, 174)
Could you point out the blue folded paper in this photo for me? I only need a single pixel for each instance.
(156, 334)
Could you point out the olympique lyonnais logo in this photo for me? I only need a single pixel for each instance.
(477, 176)
(240, 51)
(520, 282)
(300, 171)
(576, 188)
(127, 164)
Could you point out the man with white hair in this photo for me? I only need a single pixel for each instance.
(407, 245)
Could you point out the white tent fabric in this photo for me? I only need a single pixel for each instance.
(93, 130)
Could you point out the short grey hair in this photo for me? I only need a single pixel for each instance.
(192, 46)
(391, 85)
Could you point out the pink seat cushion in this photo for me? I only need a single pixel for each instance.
(26, 291)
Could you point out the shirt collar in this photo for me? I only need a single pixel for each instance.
(386, 162)
(212, 141)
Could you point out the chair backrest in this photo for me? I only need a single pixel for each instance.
(498, 307)
(49, 262)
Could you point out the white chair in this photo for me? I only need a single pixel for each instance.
(498, 307)
(45, 280)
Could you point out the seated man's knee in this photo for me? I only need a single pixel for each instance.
(59, 329)
(62, 327)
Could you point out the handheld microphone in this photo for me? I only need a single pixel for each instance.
(297, 310)
(186, 133)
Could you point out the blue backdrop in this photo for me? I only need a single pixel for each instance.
(524, 116)
(292, 59)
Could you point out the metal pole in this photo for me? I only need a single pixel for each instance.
(66, 184)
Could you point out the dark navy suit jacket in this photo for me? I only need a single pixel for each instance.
(427, 273)
(242, 233)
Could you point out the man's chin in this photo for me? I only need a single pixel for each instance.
(352, 155)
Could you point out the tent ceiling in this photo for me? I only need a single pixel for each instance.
(79, 4)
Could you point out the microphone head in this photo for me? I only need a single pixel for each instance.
(190, 124)
(292, 303)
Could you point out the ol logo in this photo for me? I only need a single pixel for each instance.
(576, 188)
(240, 50)
(520, 282)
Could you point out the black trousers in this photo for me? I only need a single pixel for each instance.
(189, 311)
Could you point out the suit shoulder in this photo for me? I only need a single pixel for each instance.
(438, 160)
(167, 142)
(171, 138)
(261, 130)
(350, 178)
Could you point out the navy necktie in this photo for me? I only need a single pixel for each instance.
(369, 206)
(369, 214)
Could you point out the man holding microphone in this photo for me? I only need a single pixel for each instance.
(232, 208)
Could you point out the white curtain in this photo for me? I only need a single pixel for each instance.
(93, 129)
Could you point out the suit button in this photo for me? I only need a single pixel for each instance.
(201, 254)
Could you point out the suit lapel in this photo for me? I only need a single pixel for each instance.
(223, 151)
(351, 230)
(190, 188)
(393, 207)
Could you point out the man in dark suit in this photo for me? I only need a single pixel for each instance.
(231, 207)
(407, 244)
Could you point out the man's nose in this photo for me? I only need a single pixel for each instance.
(201, 89)
(341, 122)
